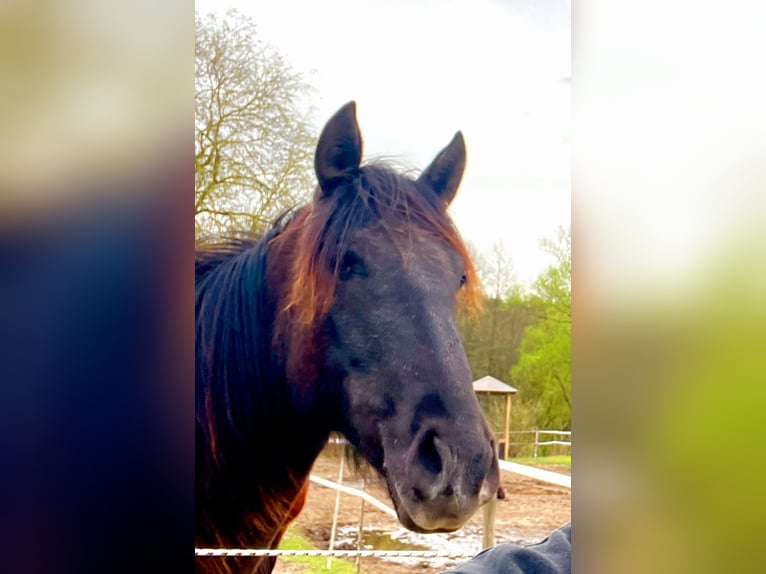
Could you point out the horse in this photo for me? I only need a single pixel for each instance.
(342, 317)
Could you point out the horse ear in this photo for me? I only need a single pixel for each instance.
(446, 170)
(339, 150)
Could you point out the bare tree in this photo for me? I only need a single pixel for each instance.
(496, 272)
(253, 144)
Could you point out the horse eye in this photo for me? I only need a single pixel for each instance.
(351, 266)
(463, 279)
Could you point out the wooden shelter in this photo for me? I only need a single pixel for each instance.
(492, 386)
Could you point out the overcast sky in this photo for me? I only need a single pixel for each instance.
(420, 70)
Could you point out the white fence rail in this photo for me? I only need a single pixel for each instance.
(538, 443)
(537, 473)
(355, 492)
(246, 552)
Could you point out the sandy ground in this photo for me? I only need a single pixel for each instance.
(530, 511)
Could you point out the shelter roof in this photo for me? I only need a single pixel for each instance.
(492, 385)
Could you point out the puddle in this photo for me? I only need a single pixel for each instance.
(467, 540)
(379, 540)
(376, 538)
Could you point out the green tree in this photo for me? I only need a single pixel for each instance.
(543, 372)
(253, 143)
(492, 338)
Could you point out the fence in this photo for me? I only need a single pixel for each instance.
(538, 443)
(488, 510)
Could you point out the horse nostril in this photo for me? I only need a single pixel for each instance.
(428, 454)
(419, 494)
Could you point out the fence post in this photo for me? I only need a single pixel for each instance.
(361, 530)
(506, 434)
(537, 439)
(489, 512)
(337, 506)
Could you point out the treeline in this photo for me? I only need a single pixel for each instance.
(524, 337)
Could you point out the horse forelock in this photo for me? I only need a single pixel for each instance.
(376, 196)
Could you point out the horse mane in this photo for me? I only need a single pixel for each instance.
(238, 391)
(375, 195)
(232, 315)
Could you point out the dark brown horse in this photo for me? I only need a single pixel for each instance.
(342, 317)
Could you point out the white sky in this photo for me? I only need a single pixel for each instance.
(420, 70)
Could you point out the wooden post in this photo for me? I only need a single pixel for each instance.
(506, 436)
(490, 510)
(488, 535)
(334, 527)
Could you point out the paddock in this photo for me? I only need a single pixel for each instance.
(531, 510)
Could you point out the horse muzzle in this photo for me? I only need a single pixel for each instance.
(444, 483)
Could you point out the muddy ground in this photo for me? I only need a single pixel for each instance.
(530, 511)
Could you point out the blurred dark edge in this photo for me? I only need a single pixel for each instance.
(95, 356)
(96, 300)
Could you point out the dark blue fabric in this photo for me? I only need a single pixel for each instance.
(552, 556)
(97, 400)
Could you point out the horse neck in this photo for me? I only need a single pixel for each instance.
(254, 463)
